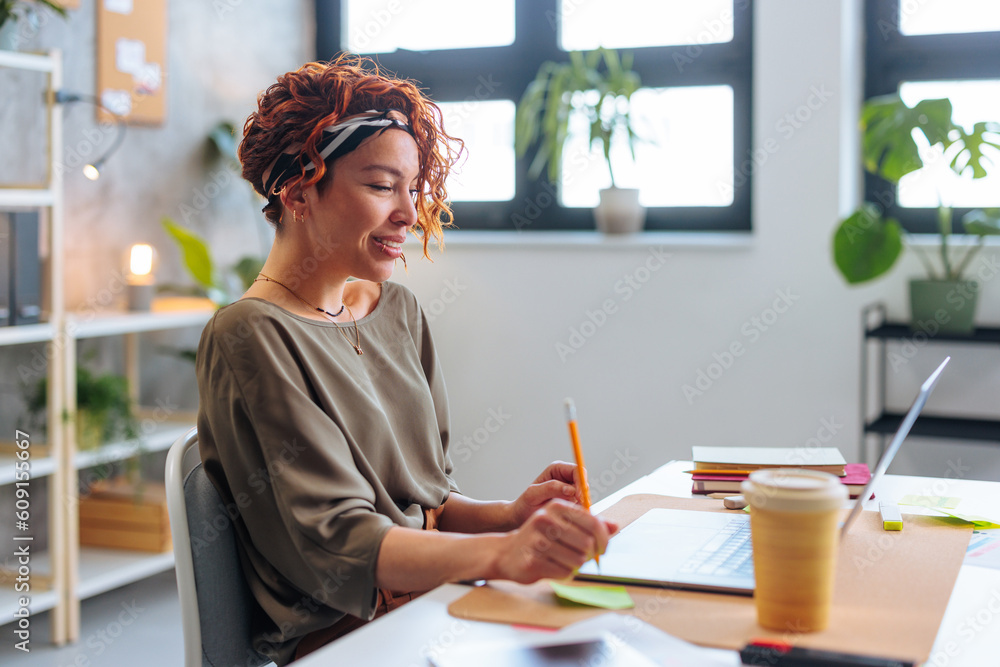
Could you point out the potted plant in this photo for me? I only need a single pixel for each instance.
(603, 93)
(867, 244)
(103, 408)
(12, 11)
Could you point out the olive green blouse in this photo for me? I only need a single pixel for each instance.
(322, 451)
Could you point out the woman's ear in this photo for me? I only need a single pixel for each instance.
(294, 202)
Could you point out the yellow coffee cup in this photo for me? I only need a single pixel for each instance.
(793, 528)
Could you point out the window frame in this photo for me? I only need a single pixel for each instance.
(892, 58)
(450, 78)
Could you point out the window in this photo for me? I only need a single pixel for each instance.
(931, 49)
(475, 60)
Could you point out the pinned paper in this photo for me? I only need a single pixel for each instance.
(130, 55)
(605, 597)
(935, 502)
(148, 78)
(118, 6)
(118, 102)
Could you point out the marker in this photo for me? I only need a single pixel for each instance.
(776, 653)
(891, 518)
(574, 436)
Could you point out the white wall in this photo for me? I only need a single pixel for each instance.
(503, 307)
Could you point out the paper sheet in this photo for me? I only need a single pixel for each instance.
(984, 549)
(605, 597)
(659, 646)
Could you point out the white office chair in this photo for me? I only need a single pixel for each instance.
(216, 603)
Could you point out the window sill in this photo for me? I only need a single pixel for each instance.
(595, 240)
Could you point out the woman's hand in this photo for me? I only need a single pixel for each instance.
(553, 542)
(558, 480)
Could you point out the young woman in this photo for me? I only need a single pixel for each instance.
(323, 413)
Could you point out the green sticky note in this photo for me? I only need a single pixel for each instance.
(605, 597)
(936, 502)
(977, 521)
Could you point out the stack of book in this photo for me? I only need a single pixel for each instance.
(723, 469)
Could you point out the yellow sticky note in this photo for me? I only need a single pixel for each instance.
(936, 502)
(605, 597)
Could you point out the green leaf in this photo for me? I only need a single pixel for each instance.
(971, 155)
(888, 148)
(195, 252)
(982, 222)
(558, 91)
(866, 245)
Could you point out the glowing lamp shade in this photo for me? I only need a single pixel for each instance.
(91, 172)
(140, 261)
(139, 277)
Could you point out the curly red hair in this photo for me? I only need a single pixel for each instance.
(296, 108)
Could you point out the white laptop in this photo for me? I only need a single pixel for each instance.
(710, 551)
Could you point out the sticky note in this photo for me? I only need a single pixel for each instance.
(976, 520)
(943, 502)
(605, 597)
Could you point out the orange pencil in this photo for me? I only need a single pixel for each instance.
(574, 436)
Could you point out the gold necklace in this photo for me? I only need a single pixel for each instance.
(357, 332)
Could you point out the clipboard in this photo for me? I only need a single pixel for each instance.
(890, 594)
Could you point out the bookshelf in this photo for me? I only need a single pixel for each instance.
(67, 573)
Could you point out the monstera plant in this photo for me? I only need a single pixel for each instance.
(867, 244)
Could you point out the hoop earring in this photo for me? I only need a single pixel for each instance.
(295, 216)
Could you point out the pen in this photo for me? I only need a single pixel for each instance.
(574, 436)
(776, 653)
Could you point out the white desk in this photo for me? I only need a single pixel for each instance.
(969, 635)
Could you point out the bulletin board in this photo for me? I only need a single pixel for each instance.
(131, 60)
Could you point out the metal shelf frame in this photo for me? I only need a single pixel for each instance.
(885, 422)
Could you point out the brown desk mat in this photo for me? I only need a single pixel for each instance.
(891, 591)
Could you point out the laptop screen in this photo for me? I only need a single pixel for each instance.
(904, 428)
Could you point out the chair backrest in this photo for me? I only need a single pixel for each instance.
(216, 603)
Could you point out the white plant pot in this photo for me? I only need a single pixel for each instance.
(620, 211)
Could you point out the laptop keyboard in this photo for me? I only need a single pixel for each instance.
(728, 554)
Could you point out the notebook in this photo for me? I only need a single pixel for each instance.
(711, 551)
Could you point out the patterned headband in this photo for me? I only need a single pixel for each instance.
(337, 140)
